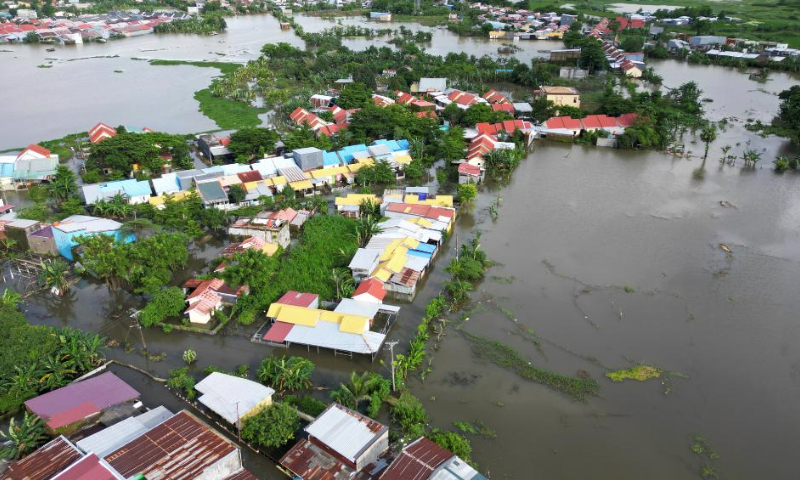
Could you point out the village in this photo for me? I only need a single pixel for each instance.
(331, 221)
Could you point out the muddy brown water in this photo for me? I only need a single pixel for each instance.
(577, 225)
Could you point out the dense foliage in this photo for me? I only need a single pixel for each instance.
(272, 427)
(365, 392)
(281, 373)
(205, 25)
(168, 302)
(150, 151)
(410, 415)
(37, 359)
(789, 115)
(145, 265)
(249, 143)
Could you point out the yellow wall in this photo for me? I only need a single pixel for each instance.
(565, 100)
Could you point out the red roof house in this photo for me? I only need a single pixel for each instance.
(417, 461)
(370, 290)
(495, 97)
(298, 299)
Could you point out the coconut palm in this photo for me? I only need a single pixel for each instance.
(53, 275)
(281, 373)
(345, 285)
(357, 391)
(708, 135)
(366, 228)
(22, 438)
(136, 227)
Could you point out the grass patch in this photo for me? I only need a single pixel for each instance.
(506, 357)
(701, 446)
(228, 114)
(475, 428)
(639, 373)
(224, 67)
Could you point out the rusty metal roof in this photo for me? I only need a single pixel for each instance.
(182, 448)
(417, 461)
(310, 462)
(242, 474)
(44, 463)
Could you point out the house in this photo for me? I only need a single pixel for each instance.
(507, 127)
(164, 446)
(593, 123)
(233, 398)
(341, 443)
(44, 463)
(297, 299)
(269, 230)
(424, 460)
(563, 125)
(631, 69)
(426, 85)
(205, 297)
(522, 110)
(100, 132)
(469, 174)
(700, 41)
(561, 96)
(66, 232)
(80, 404)
(380, 16)
(182, 447)
(565, 54)
(18, 229)
(363, 263)
(370, 290)
(134, 191)
(495, 97)
(215, 149)
(112, 438)
(308, 158)
(251, 243)
(211, 192)
(350, 206)
(34, 164)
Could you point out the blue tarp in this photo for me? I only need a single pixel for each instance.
(426, 247)
(417, 253)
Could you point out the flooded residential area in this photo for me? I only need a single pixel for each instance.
(503, 292)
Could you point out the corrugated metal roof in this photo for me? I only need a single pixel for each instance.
(310, 462)
(345, 431)
(106, 441)
(328, 335)
(89, 468)
(417, 461)
(456, 469)
(182, 448)
(242, 474)
(103, 391)
(226, 395)
(364, 259)
(354, 307)
(44, 463)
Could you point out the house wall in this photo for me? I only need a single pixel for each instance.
(65, 241)
(42, 245)
(266, 403)
(197, 317)
(20, 235)
(565, 100)
(224, 468)
(374, 451)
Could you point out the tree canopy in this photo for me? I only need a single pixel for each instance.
(150, 151)
(249, 143)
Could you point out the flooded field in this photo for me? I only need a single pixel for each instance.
(604, 259)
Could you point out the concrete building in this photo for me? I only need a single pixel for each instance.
(561, 96)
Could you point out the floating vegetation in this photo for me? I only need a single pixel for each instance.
(506, 357)
(701, 446)
(475, 427)
(708, 472)
(117, 71)
(503, 280)
(639, 373)
(628, 289)
(44, 66)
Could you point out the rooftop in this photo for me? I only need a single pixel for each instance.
(231, 397)
(417, 461)
(345, 431)
(44, 463)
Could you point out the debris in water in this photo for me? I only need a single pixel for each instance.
(639, 372)
(725, 249)
(726, 204)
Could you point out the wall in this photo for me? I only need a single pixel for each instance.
(374, 451)
(223, 468)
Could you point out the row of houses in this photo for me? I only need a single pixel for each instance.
(510, 22)
(103, 432)
(305, 170)
(629, 63)
(84, 28)
(58, 238)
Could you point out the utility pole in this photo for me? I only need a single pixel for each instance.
(391, 349)
(136, 324)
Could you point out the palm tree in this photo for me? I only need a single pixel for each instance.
(366, 228)
(23, 438)
(10, 298)
(345, 285)
(63, 185)
(358, 390)
(751, 157)
(708, 135)
(53, 275)
(135, 227)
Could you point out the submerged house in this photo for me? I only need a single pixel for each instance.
(233, 398)
(34, 164)
(205, 297)
(61, 237)
(340, 444)
(424, 460)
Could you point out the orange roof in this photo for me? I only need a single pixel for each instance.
(372, 287)
(37, 149)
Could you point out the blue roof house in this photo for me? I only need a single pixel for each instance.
(68, 230)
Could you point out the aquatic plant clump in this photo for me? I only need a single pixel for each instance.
(639, 373)
(506, 357)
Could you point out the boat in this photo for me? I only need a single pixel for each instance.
(213, 33)
(51, 49)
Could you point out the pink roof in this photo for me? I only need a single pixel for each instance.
(287, 215)
(426, 211)
(103, 391)
(493, 96)
(331, 130)
(87, 468)
(469, 170)
(278, 332)
(503, 107)
(298, 299)
(37, 149)
(213, 285)
(72, 415)
(598, 121)
(564, 122)
(371, 287)
(405, 98)
(626, 119)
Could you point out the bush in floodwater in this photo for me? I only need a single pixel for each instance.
(409, 413)
(458, 444)
(639, 372)
(272, 427)
(189, 356)
(179, 379)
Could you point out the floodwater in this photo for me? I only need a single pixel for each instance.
(577, 225)
(112, 82)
